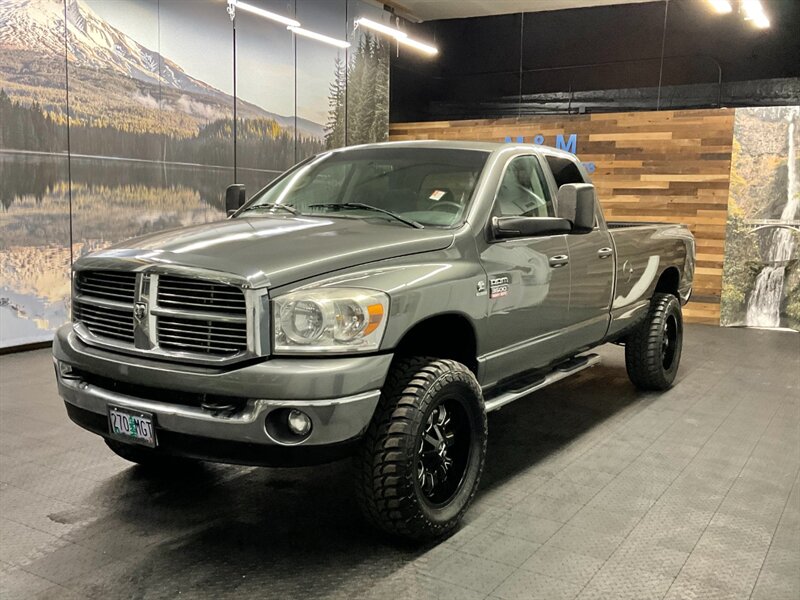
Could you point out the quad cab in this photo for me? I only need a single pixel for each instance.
(374, 302)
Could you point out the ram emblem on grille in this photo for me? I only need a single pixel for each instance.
(139, 310)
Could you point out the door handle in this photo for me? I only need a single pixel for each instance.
(559, 260)
(605, 252)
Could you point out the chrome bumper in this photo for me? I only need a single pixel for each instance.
(335, 418)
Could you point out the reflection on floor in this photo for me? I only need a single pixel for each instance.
(592, 490)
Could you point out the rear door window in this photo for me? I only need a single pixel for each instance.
(564, 170)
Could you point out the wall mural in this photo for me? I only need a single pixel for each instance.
(116, 120)
(761, 276)
(669, 165)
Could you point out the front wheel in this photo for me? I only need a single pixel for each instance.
(653, 349)
(423, 454)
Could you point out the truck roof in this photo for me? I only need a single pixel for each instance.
(464, 145)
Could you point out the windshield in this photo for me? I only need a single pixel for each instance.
(416, 186)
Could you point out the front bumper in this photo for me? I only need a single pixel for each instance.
(338, 394)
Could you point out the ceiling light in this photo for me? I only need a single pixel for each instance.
(721, 6)
(395, 33)
(753, 11)
(400, 36)
(263, 13)
(419, 46)
(319, 37)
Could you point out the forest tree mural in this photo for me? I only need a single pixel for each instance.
(117, 119)
(359, 96)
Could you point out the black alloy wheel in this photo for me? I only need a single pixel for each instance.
(443, 452)
(653, 348)
(669, 342)
(422, 456)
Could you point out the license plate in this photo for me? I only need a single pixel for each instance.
(131, 426)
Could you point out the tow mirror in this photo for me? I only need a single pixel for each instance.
(576, 202)
(515, 227)
(234, 198)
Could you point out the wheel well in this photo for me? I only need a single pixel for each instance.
(668, 282)
(442, 336)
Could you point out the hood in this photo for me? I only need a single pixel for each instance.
(271, 251)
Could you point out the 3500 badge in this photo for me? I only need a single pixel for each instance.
(498, 286)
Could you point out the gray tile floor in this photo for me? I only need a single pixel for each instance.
(592, 490)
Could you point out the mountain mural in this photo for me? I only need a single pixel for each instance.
(141, 89)
(149, 143)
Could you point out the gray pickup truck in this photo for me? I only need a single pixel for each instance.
(376, 302)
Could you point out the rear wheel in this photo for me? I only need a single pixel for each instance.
(653, 349)
(423, 454)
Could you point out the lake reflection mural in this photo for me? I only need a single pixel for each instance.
(146, 141)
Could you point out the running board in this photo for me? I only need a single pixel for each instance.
(559, 372)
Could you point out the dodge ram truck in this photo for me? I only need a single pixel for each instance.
(373, 302)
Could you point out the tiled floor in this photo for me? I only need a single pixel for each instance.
(592, 490)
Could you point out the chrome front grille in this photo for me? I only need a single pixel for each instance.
(105, 321)
(212, 337)
(204, 316)
(195, 295)
(104, 303)
(160, 314)
(119, 286)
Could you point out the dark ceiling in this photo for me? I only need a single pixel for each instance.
(601, 48)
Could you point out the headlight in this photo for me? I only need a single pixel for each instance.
(329, 320)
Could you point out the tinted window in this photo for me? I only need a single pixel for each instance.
(432, 186)
(564, 170)
(523, 191)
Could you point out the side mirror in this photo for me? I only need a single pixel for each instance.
(515, 227)
(576, 202)
(234, 198)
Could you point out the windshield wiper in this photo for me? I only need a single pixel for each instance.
(272, 205)
(362, 206)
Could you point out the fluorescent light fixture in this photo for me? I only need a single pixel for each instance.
(264, 13)
(400, 36)
(721, 6)
(419, 46)
(370, 24)
(319, 37)
(753, 11)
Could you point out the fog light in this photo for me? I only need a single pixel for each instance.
(299, 422)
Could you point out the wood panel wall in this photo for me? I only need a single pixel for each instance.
(671, 166)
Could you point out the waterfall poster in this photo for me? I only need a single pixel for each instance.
(761, 274)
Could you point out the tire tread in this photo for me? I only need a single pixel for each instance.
(643, 346)
(384, 467)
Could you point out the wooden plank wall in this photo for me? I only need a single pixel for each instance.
(671, 166)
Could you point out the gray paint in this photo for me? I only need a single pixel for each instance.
(310, 378)
(547, 314)
(272, 251)
(338, 419)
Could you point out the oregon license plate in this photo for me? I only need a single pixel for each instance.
(131, 426)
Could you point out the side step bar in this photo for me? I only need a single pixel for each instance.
(559, 372)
